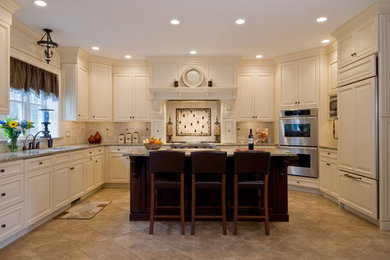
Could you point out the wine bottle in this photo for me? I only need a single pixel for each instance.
(250, 140)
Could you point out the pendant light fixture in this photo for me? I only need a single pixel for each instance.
(47, 43)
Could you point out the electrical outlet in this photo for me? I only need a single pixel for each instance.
(67, 133)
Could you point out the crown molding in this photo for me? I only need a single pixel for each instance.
(332, 47)
(301, 55)
(194, 59)
(10, 5)
(130, 63)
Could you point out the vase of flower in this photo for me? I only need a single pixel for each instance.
(12, 128)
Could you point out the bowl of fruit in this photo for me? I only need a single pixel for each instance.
(152, 143)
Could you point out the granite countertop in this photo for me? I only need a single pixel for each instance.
(28, 154)
(229, 151)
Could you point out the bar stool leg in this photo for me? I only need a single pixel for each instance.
(193, 205)
(152, 200)
(235, 203)
(266, 205)
(224, 203)
(182, 203)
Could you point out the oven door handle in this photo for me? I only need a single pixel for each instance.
(298, 117)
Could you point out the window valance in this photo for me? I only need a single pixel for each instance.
(27, 77)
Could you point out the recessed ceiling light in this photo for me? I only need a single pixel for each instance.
(259, 56)
(40, 3)
(175, 21)
(321, 19)
(325, 41)
(240, 21)
(95, 48)
(128, 56)
(193, 52)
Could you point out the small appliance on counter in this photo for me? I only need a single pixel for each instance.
(128, 138)
(121, 139)
(135, 138)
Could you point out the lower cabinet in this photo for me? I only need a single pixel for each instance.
(11, 220)
(329, 177)
(76, 180)
(39, 194)
(98, 171)
(89, 183)
(359, 193)
(119, 168)
(61, 186)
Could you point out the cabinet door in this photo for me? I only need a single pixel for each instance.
(119, 168)
(38, 200)
(82, 94)
(4, 67)
(325, 176)
(123, 97)
(263, 97)
(76, 180)
(288, 85)
(245, 108)
(140, 99)
(365, 130)
(345, 50)
(346, 114)
(98, 171)
(61, 186)
(88, 175)
(308, 86)
(332, 77)
(100, 93)
(334, 180)
(366, 39)
(69, 91)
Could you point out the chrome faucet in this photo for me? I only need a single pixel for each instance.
(33, 145)
(30, 145)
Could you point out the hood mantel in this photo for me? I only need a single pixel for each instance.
(184, 93)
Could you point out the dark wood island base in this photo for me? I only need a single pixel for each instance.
(140, 193)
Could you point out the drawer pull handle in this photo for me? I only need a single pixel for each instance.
(3, 194)
(96, 161)
(40, 163)
(119, 150)
(328, 164)
(3, 226)
(328, 153)
(90, 152)
(2, 170)
(352, 177)
(72, 168)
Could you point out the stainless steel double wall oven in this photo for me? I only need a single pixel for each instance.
(298, 133)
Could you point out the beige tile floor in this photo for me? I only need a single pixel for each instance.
(318, 229)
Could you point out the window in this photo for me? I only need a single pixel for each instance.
(26, 105)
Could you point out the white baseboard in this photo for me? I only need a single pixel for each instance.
(304, 189)
(116, 185)
(359, 214)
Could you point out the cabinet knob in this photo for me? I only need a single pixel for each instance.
(72, 168)
(328, 164)
(96, 161)
(40, 163)
(93, 116)
(2, 170)
(3, 225)
(79, 115)
(3, 194)
(351, 54)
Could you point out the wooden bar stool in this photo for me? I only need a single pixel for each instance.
(251, 171)
(166, 172)
(208, 164)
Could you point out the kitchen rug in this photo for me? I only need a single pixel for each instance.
(84, 210)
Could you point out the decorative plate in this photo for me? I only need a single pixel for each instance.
(192, 77)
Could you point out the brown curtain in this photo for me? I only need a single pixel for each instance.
(27, 77)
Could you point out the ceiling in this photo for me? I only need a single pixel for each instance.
(142, 28)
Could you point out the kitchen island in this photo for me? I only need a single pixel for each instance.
(140, 183)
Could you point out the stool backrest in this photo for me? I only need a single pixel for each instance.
(208, 162)
(166, 161)
(252, 162)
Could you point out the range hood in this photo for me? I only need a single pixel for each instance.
(201, 93)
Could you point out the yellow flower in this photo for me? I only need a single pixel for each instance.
(28, 122)
(13, 124)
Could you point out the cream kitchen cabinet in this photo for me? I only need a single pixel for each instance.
(89, 182)
(357, 131)
(74, 92)
(131, 97)
(299, 83)
(329, 176)
(256, 97)
(98, 171)
(118, 166)
(61, 195)
(332, 73)
(361, 42)
(76, 180)
(100, 92)
(39, 193)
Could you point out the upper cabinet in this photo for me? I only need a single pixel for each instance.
(299, 83)
(358, 43)
(256, 97)
(100, 92)
(131, 97)
(7, 8)
(332, 73)
(74, 92)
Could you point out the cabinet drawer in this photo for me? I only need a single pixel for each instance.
(11, 168)
(11, 191)
(328, 154)
(356, 71)
(62, 158)
(359, 193)
(38, 163)
(303, 182)
(119, 149)
(11, 221)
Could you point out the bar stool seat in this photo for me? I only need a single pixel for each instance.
(209, 185)
(250, 184)
(166, 172)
